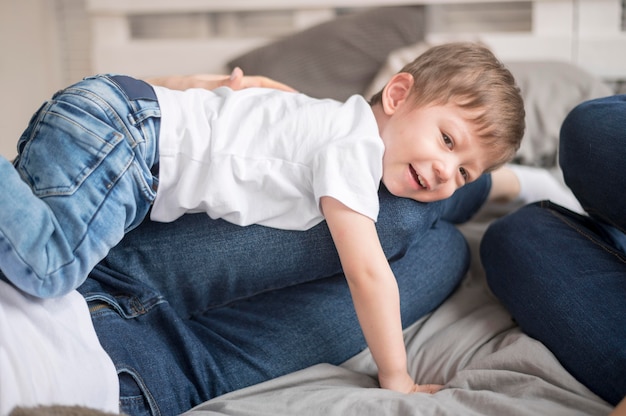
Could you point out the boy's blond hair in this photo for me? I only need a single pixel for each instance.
(469, 75)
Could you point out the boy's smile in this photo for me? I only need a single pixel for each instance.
(417, 178)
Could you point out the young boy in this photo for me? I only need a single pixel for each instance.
(101, 153)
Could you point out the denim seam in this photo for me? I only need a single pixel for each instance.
(36, 122)
(589, 237)
(136, 306)
(602, 217)
(115, 118)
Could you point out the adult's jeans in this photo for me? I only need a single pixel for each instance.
(563, 275)
(196, 308)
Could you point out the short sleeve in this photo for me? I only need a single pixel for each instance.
(350, 170)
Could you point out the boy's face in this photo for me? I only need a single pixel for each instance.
(430, 151)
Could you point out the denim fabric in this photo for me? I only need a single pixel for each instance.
(81, 179)
(592, 153)
(562, 275)
(196, 308)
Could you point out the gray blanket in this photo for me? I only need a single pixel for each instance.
(470, 344)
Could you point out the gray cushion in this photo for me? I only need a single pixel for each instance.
(337, 58)
(550, 90)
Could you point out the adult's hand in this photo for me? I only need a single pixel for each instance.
(236, 80)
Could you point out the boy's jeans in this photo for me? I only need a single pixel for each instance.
(81, 180)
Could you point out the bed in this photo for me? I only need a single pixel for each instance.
(470, 343)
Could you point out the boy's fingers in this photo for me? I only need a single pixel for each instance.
(426, 388)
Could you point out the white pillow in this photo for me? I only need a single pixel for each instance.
(50, 354)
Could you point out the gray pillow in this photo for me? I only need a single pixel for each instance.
(337, 58)
(550, 90)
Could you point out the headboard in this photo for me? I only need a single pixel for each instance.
(158, 37)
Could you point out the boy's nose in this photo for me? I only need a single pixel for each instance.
(444, 171)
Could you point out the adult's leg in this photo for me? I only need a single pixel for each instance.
(169, 363)
(212, 307)
(563, 276)
(592, 154)
(199, 264)
(563, 280)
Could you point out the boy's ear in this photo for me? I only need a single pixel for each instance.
(396, 91)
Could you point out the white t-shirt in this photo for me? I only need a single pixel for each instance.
(262, 156)
(50, 354)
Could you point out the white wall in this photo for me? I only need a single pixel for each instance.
(30, 65)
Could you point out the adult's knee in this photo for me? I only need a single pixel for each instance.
(592, 148)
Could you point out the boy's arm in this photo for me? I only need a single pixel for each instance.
(374, 292)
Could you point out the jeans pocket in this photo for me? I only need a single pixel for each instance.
(135, 398)
(117, 330)
(66, 144)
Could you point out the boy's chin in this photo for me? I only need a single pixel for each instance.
(401, 193)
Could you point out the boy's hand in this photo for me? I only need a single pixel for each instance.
(426, 388)
(405, 384)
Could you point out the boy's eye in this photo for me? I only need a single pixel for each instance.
(448, 141)
(464, 174)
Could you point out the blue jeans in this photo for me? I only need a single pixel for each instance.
(81, 180)
(562, 275)
(196, 308)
